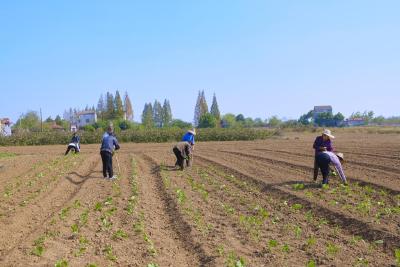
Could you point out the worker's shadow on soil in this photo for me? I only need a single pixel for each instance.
(83, 178)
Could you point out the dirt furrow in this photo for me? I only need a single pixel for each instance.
(351, 225)
(170, 231)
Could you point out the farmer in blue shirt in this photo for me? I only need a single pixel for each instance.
(189, 137)
(108, 145)
(321, 144)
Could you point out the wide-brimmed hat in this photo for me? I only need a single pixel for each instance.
(328, 133)
(340, 155)
(192, 131)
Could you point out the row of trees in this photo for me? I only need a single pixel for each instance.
(112, 107)
(157, 115)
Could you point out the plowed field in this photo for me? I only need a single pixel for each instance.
(241, 204)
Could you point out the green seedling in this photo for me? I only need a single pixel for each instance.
(108, 250)
(38, 248)
(310, 242)
(361, 262)
(108, 201)
(332, 249)
(152, 265)
(61, 263)
(397, 256)
(297, 231)
(119, 235)
(83, 218)
(91, 265)
(98, 206)
(286, 248)
(180, 196)
(220, 250)
(75, 228)
(234, 261)
(77, 204)
(64, 213)
(272, 243)
(297, 206)
(83, 242)
(311, 263)
(298, 186)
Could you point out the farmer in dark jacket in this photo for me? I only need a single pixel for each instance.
(322, 143)
(74, 144)
(108, 145)
(183, 153)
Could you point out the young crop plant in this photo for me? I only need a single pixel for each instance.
(297, 206)
(120, 235)
(180, 195)
(234, 261)
(38, 248)
(75, 228)
(286, 248)
(152, 265)
(61, 263)
(332, 249)
(298, 186)
(311, 263)
(310, 242)
(272, 244)
(84, 217)
(297, 231)
(108, 250)
(64, 213)
(83, 242)
(397, 256)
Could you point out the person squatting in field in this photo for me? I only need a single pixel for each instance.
(108, 146)
(324, 159)
(322, 143)
(184, 150)
(74, 144)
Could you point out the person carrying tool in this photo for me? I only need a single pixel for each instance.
(74, 144)
(324, 159)
(322, 143)
(108, 146)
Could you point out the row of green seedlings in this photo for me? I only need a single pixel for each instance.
(139, 225)
(331, 249)
(361, 200)
(185, 203)
(254, 223)
(28, 179)
(231, 258)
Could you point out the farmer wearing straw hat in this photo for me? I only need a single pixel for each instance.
(108, 146)
(324, 159)
(184, 149)
(322, 143)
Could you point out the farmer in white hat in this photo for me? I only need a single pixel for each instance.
(324, 159)
(322, 143)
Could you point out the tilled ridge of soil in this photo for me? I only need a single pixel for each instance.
(352, 225)
(159, 201)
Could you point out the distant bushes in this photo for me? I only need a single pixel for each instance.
(152, 135)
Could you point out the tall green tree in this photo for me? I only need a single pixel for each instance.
(201, 107)
(58, 120)
(167, 114)
(215, 109)
(119, 108)
(157, 114)
(128, 107)
(29, 121)
(110, 107)
(147, 116)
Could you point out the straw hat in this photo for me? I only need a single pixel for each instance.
(192, 131)
(340, 155)
(328, 133)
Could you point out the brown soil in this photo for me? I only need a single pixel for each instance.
(249, 201)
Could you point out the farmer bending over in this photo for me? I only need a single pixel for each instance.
(74, 144)
(183, 153)
(108, 145)
(324, 159)
(322, 143)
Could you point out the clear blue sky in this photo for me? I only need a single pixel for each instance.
(261, 58)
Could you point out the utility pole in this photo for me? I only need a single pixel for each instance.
(41, 120)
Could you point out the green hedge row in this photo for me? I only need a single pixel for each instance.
(137, 136)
